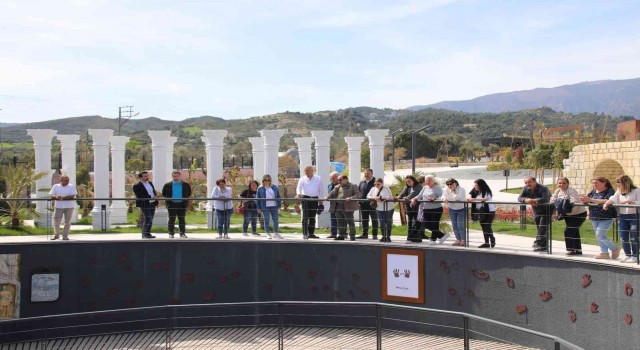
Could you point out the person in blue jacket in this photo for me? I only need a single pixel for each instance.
(268, 204)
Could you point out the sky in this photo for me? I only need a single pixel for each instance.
(244, 58)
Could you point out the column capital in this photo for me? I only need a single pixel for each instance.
(272, 137)
(257, 143)
(214, 137)
(101, 137)
(118, 143)
(322, 137)
(303, 143)
(376, 136)
(68, 141)
(159, 135)
(354, 143)
(42, 136)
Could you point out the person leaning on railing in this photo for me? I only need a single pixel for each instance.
(537, 196)
(431, 210)
(457, 211)
(412, 189)
(379, 195)
(573, 215)
(269, 204)
(223, 206)
(602, 219)
(627, 193)
(348, 195)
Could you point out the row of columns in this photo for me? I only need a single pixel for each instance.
(265, 161)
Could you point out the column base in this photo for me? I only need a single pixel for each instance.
(211, 220)
(44, 219)
(119, 215)
(161, 218)
(323, 219)
(101, 218)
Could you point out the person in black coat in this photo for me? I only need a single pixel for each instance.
(366, 210)
(146, 200)
(176, 207)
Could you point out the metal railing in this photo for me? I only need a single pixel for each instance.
(276, 317)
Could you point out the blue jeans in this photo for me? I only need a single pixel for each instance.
(223, 217)
(458, 219)
(385, 218)
(601, 227)
(270, 213)
(250, 217)
(147, 213)
(627, 225)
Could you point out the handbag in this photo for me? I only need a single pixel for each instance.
(241, 209)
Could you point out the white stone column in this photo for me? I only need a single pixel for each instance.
(354, 149)
(159, 141)
(101, 139)
(214, 149)
(304, 152)
(376, 147)
(257, 153)
(42, 139)
(68, 151)
(170, 168)
(271, 147)
(118, 179)
(323, 169)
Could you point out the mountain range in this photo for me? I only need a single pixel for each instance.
(612, 97)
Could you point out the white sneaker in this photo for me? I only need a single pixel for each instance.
(444, 238)
(632, 260)
(269, 236)
(226, 236)
(245, 234)
(430, 242)
(624, 260)
(278, 236)
(219, 237)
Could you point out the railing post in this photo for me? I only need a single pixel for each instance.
(280, 328)
(465, 332)
(168, 329)
(549, 232)
(466, 220)
(378, 327)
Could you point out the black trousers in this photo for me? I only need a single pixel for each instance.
(572, 231)
(542, 225)
(432, 222)
(412, 220)
(309, 212)
(485, 220)
(366, 212)
(178, 210)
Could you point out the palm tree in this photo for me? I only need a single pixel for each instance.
(19, 180)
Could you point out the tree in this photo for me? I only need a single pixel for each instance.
(365, 157)
(18, 180)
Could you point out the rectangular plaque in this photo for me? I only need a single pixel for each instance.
(403, 275)
(45, 287)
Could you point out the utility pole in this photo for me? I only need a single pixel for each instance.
(126, 113)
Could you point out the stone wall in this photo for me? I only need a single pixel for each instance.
(602, 159)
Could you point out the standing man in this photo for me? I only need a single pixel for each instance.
(63, 193)
(366, 210)
(333, 182)
(537, 196)
(344, 208)
(309, 187)
(147, 202)
(176, 207)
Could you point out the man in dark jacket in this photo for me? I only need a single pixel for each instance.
(333, 182)
(146, 200)
(537, 196)
(343, 209)
(176, 207)
(366, 210)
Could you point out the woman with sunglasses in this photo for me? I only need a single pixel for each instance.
(602, 219)
(627, 193)
(380, 194)
(457, 212)
(573, 218)
(268, 204)
(412, 189)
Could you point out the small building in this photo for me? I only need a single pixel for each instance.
(629, 131)
(507, 141)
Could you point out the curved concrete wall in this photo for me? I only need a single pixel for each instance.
(587, 304)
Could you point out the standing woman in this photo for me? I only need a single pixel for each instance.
(480, 194)
(602, 219)
(432, 212)
(223, 206)
(627, 193)
(412, 189)
(269, 206)
(573, 219)
(457, 212)
(250, 209)
(379, 194)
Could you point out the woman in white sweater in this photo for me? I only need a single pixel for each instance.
(380, 194)
(626, 193)
(573, 219)
(457, 212)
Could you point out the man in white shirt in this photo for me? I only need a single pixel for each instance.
(309, 187)
(63, 193)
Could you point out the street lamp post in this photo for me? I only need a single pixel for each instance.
(413, 146)
(393, 149)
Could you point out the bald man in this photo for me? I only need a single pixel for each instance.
(63, 193)
(309, 188)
